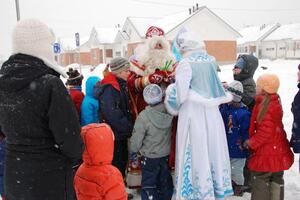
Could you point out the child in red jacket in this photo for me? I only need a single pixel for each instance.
(73, 84)
(270, 151)
(97, 178)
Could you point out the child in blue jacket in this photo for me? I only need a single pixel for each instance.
(236, 118)
(90, 104)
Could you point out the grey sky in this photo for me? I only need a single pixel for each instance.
(69, 16)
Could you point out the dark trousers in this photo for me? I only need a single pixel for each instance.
(267, 185)
(120, 155)
(156, 179)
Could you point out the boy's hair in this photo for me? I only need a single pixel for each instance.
(152, 94)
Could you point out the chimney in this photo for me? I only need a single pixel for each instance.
(190, 11)
(197, 6)
(193, 9)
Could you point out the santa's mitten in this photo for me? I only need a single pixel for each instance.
(170, 79)
(157, 77)
(134, 162)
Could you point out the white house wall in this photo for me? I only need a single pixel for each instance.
(268, 50)
(209, 28)
(131, 32)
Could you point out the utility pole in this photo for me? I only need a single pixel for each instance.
(17, 10)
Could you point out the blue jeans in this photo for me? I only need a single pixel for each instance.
(157, 181)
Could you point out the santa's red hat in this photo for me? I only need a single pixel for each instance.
(153, 30)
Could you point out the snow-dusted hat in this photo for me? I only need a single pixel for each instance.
(189, 41)
(236, 89)
(34, 38)
(152, 94)
(119, 64)
(75, 78)
(268, 82)
(153, 30)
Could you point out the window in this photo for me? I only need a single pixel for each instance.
(94, 55)
(109, 53)
(118, 53)
(270, 49)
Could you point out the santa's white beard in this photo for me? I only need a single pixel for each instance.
(154, 59)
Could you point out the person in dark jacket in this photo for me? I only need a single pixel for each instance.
(236, 117)
(2, 153)
(114, 108)
(295, 140)
(244, 70)
(38, 119)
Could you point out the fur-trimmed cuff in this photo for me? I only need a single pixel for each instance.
(141, 83)
(194, 96)
(171, 101)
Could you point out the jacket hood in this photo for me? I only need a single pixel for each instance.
(20, 70)
(112, 80)
(90, 84)
(99, 144)
(158, 116)
(250, 68)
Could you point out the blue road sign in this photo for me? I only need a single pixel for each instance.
(77, 39)
(56, 47)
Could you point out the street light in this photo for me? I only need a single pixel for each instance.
(17, 10)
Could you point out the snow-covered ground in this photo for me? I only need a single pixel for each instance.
(287, 72)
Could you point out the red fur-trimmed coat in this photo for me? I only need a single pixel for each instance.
(268, 142)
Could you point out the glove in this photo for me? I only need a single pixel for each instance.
(157, 77)
(246, 144)
(170, 79)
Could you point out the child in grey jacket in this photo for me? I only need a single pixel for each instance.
(151, 137)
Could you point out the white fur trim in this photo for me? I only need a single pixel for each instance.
(137, 70)
(170, 110)
(194, 96)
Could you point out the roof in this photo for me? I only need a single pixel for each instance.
(255, 33)
(287, 31)
(106, 35)
(142, 24)
(169, 22)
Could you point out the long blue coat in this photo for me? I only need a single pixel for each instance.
(295, 141)
(236, 121)
(90, 104)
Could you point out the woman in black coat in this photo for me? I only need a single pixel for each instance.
(38, 119)
(295, 140)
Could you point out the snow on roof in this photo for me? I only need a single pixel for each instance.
(254, 33)
(171, 21)
(69, 44)
(287, 31)
(167, 23)
(106, 35)
(143, 23)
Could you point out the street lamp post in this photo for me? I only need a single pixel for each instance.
(17, 10)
